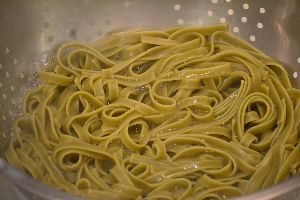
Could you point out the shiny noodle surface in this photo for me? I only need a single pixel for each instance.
(186, 113)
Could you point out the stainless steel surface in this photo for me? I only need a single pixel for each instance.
(31, 30)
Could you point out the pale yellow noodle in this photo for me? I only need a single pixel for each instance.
(186, 113)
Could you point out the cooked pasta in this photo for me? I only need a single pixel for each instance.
(186, 113)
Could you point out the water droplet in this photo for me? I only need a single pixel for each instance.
(7, 50)
(262, 10)
(177, 7)
(180, 21)
(222, 20)
(295, 74)
(244, 19)
(246, 6)
(230, 12)
(210, 13)
(15, 61)
(236, 29)
(260, 25)
(252, 38)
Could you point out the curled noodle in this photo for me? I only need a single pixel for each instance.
(186, 113)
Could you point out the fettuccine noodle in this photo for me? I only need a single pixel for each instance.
(186, 113)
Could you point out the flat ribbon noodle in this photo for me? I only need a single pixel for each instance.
(186, 113)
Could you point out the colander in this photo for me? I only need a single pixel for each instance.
(31, 30)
